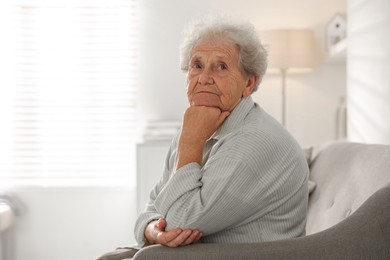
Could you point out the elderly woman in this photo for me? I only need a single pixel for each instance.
(233, 174)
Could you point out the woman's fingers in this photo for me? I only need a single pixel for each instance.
(195, 236)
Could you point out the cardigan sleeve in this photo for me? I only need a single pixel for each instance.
(211, 199)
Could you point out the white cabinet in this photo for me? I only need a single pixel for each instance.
(150, 163)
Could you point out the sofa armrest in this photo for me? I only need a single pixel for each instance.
(363, 235)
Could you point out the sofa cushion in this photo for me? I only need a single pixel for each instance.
(346, 174)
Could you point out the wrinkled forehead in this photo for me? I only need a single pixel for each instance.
(221, 48)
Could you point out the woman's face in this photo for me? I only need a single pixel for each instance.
(215, 78)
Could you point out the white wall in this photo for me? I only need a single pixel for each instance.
(369, 71)
(312, 98)
(312, 101)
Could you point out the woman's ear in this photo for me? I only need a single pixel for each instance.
(251, 83)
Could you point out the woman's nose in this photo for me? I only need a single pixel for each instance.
(205, 78)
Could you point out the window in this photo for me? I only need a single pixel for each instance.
(68, 89)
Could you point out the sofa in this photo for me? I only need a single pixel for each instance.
(348, 213)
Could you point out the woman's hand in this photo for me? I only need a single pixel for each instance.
(155, 234)
(199, 124)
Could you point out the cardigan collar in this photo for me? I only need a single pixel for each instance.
(235, 119)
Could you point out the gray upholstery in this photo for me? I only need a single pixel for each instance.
(346, 174)
(348, 217)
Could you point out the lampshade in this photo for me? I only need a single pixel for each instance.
(292, 49)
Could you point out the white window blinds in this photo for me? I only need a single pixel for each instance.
(68, 89)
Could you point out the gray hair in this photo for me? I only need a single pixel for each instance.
(252, 55)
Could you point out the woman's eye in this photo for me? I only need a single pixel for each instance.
(197, 66)
(222, 66)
